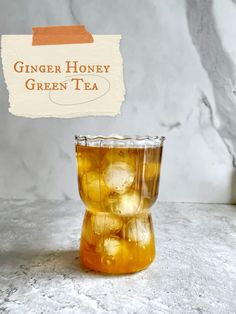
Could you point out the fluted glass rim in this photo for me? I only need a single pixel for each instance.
(146, 140)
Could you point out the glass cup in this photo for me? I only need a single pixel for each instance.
(118, 180)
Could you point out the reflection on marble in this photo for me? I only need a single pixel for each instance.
(194, 271)
(180, 82)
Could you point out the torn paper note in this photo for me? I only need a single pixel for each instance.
(63, 81)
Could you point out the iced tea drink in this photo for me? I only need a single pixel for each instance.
(118, 182)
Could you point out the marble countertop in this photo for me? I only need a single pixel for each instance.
(194, 272)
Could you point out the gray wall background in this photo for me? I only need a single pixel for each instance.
(179, 68)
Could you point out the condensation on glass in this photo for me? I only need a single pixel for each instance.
(118, 179)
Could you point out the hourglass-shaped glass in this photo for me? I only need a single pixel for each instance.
(118, 181)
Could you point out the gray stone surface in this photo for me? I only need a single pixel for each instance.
(194, 272)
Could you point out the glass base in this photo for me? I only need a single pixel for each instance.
(115, 245)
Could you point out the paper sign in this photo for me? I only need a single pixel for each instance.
(63, 81)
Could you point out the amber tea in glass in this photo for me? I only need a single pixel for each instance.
(118, 180)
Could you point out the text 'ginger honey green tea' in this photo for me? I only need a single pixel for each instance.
(118, 182)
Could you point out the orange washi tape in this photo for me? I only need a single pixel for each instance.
(58, 35)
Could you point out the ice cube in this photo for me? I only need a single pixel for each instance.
(118, 177)
(138, 230)
(109, 246)
(122, 155)
(128, 204)
(93, 186)
(88, 233)
(105, 223)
